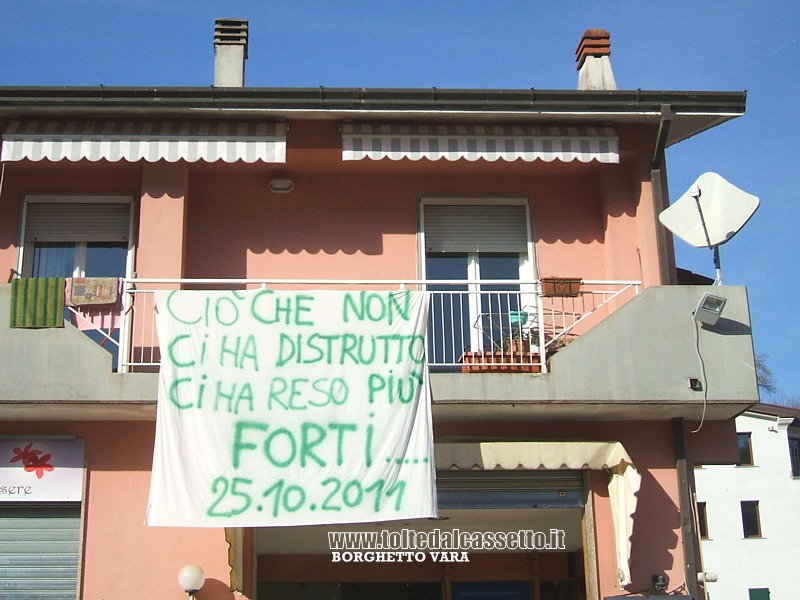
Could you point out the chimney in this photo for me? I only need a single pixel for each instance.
(594, 64)
(230, 52)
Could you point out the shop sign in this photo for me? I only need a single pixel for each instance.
(41, 469)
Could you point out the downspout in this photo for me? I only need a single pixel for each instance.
(658, 181)
(666, 261)
(688, 533)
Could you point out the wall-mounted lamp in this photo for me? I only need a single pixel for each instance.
(191, 578)
(707, 577)
(281, 186)
(709, 309)
(659, 582)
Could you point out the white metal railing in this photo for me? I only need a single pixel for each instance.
(486, 325)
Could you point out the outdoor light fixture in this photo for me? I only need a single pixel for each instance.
(281, 186)
(191, 578)
(707, 577)
(709, 309)
(659, 582)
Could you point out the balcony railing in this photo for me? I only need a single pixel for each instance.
(473, 326)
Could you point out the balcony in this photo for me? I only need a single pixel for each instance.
(473, 326)
(496, 349)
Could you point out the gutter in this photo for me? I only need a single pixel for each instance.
(689, 540)
(605, 103)
(660, 187)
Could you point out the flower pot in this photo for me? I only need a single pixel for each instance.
(500, 362)
(561, 287)
(517, 345)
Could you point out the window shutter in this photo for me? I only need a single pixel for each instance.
(510, 489)
(475, 228)
(77, 222)
(39, 550)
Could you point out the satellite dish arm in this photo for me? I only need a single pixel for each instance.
(695, 193)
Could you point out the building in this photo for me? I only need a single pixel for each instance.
(747, 512)
(572, 388)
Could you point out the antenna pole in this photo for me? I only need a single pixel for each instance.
(696, 195)
(695, 192)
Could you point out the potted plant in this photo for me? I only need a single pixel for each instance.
(520, 340)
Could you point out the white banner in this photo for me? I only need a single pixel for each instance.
(291, 408)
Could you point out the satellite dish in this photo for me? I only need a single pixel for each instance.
(709, 214)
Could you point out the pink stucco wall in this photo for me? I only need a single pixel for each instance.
(54, 178)
(656, 544)
(122, 558)
(123, 555)
(346, 220)
(351, 220)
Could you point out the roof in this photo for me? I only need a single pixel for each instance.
(693, 112)
(774, 410)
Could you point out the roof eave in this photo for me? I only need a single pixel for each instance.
(694, 111)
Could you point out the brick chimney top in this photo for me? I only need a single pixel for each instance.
(595, 42)
(594, 64)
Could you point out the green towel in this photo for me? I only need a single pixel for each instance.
(37, 302)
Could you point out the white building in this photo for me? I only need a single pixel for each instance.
(748, 513)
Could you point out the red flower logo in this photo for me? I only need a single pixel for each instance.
(39, 465)
(33, 460)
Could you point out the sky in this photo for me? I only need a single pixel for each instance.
(713, 45)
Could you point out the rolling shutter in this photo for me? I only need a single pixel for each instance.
(77, 222)
(39, 550)
(510, 489)
(475, 228)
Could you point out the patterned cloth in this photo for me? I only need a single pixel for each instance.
(94, 302)
(83, 291)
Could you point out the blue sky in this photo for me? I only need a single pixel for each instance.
(677, 45)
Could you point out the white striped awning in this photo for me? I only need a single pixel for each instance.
(623, 484)
(152, 141)
(473, 142)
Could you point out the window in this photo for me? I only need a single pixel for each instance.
(351, 591)
(702, 521)
(794, 455)
(492, 590)
(745, 449)
(76, 236)
(758, 594)
(79, 259)
(751, 523)
(475, 240)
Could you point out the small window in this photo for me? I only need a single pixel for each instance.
(751, 523)
(794, 455)
(75, 235)
(702, 521)
(758, 594)
(745, 449)
(79, 259)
